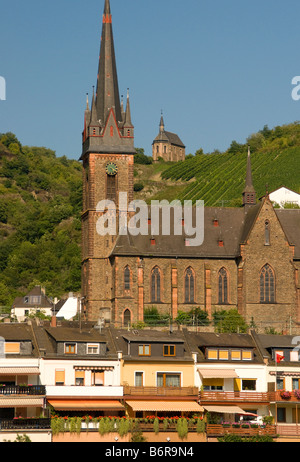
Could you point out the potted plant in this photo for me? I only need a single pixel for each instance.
(285, 394)
(297, 393)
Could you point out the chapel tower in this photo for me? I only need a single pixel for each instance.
(108, 161)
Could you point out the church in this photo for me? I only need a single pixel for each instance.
(249, 259)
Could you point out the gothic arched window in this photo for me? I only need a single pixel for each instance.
(127, 318)
(127, 278)
(189, 286)
(267, 285)
(223, 286)
(155, 285)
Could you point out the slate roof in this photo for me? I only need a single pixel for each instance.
(19, 302)
(234, 226)
(199, 341)
(170, 137)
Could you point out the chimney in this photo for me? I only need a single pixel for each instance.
(53, 321)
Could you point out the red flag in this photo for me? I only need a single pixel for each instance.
(279, 358)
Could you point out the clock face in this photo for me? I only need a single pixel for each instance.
(111, 169)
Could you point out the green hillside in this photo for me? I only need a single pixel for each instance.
(219, 178)
(40, 206)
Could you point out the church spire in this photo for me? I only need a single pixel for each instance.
(249, 194)
(107, 93)
(110, 129)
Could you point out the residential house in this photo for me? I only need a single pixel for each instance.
(80, 369)
(230, 374)
(157, 373)
(34, 302)
(22, 393)
(283, 377)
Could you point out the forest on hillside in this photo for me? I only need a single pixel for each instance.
(40, 207)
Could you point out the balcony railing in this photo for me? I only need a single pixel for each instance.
(219, 430)
(22, 390)
(234, 396)
(285, 396)
(24, 424)
(161, 391)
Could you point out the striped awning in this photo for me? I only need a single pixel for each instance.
(86, 405)
(21, 402)
(94, 368)
(217, 373)
(165, 406)
(19, 371)
(225, 409)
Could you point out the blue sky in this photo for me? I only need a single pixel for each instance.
(220, 70)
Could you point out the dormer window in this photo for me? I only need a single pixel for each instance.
(93, 348)
(169, 350)
(70, 348)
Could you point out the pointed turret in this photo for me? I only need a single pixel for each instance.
(128, 127)
(249, 194)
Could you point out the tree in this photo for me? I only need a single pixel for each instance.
(229, 322)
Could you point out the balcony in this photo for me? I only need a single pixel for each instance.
(234, 397)
(83, 391)
(25, 424)
(283, 396)
(161, 391)
(246, 430)
(17, 390)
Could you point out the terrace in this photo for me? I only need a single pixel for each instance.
(161, 391)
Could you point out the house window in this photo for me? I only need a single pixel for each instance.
(93, 349)
(79, 378)
(59, 377)
(247, 355)
(223, 286)
(295, 383)
(267, 285)
(224, 354)
(189, 283)
(12, 348)
(139, 379)
(213, 384)
(169, 350)
(144, 350)
(249, 384)
(294, 355)
(155, 285)
(70, 348)
(280, 383)
(236, 355)
(127, 278)
(168, 380)
(98, 379)
(212, 354)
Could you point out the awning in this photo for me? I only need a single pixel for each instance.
(94, 368)
(85, 405)
(225, 409)
(165, 406)
(21, 402)
(217, 373)
(19, 371)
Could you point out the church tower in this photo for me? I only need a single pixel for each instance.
(108, 161)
